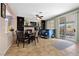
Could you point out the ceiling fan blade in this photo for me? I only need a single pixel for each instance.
(39, 16)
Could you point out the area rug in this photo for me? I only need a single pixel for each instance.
(62, 44)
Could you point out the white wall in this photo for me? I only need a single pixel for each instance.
(5, 38)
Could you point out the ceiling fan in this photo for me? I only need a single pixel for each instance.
(39, 16)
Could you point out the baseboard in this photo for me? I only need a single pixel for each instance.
(7, 49)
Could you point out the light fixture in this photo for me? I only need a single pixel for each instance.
(39, 16)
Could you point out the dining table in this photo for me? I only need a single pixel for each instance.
(30, 36)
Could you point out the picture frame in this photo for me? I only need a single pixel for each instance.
(3, 10)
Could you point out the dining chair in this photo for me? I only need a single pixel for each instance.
(32, 38)
(21, 38)
(36, 36)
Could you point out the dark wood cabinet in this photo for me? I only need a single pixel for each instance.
(20, 23)
(43, 24)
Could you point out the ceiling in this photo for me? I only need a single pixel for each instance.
(48, 9)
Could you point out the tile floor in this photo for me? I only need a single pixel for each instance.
(43, 48)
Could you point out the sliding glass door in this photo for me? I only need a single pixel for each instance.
(71, 27)
(68, 27)
(62, 26)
